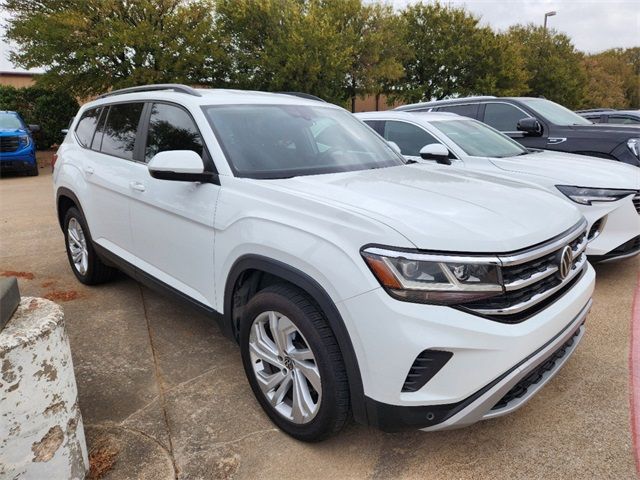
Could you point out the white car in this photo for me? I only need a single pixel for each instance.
(606, 192)
(354, 282)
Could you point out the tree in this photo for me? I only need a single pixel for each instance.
(554, 65)
(51, 109)
(453, 55)
(614, 78)
(90, 46)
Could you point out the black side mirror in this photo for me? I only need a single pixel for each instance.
(34, 128)
(530, 125)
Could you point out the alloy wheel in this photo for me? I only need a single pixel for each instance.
(77, 246)
(285, 367)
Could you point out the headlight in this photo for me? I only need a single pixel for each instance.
(634, 146)
(24, 141)
(586, 196)
(440, 280)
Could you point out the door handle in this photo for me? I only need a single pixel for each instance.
(137, 186)
(89, 170)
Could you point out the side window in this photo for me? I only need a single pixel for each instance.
(408, 137)
(503, 117)
(469, 110)
(171, 128)
(377, 125)
(97, 137)
(87, 125)
(624, 120)
(120, 128)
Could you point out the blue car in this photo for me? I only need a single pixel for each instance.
(17, 146)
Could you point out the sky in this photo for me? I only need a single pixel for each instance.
(593, 25)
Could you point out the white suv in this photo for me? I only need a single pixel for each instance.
(354, 282)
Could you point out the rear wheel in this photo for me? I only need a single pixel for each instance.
(85, 263)
(293, 363)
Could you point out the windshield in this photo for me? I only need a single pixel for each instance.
(555, 113)
(280, 141)
(10, 121)
(479, 140)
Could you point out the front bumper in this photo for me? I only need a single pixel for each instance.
(621, 225)
(17, 161)
(489, 357)
(504, 395)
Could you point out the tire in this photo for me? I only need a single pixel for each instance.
(325, 411)
(33, 172)
(90, 270)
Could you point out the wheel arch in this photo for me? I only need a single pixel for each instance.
(66, 199)
(276, 270)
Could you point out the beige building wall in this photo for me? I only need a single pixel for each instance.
(369, 104)
(18, 80)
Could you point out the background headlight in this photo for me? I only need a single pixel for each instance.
(427, 278)
(585, 196)
(634, 146)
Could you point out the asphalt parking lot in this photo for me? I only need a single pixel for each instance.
(163, 394)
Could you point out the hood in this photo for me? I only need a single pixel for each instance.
(571, 169)
(605, 131)
(12, 131)
(445, 208)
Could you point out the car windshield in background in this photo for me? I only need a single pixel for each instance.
(9, 121)
(478, 140)
(555, 113)
(280, 141)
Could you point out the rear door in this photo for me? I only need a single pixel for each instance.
(466, 110)
(108, 172)
(172, 221)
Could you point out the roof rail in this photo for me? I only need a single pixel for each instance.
(176, 87)
(308, 96)
(594, 110)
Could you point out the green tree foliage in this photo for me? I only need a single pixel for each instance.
(90, 46)
(454, 56)
(554, 65)
(51, 109)
(614, 79)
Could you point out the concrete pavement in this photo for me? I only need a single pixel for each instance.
(164, 396)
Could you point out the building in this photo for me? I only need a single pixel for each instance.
(17, 79)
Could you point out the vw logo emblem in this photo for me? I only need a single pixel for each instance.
(566, 262)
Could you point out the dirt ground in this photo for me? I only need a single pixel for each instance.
(163, 394)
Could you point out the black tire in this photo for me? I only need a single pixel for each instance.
(33, 172)
(97, 272)
(334, 407)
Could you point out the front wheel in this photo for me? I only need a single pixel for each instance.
(33, 171)
(84, 261)
(293, 363)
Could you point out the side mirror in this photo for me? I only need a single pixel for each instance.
(34, 128)
(437, 152)
(395, 147)
(179, 165)
(530, 125)
(64, 131)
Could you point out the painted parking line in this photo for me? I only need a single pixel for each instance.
(634, 373)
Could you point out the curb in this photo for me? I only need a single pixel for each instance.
(634, 376)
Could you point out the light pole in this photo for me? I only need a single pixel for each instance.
(547, 15)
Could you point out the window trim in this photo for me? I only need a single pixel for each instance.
(207, 159)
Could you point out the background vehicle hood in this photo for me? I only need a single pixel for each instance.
(601, 131)
(444, 208)
(12, 131)
(571, 169)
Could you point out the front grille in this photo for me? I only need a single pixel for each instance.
(536, 375)
(9, 144)
(532, 279)
(636, 202)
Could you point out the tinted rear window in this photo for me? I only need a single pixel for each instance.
(469, 110)
(86, 126)
(120, 130)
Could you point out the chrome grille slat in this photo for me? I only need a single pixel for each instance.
(521, 307)
(532, 277)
